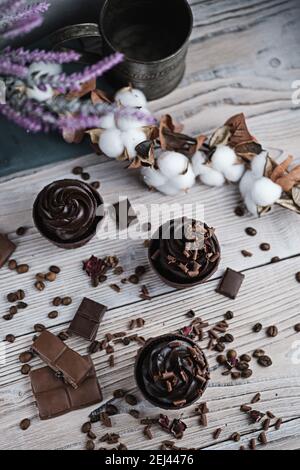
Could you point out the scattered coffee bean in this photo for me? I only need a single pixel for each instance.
(264, 361)
(63, 335)
(53, 314)
(13, 310)
(22, 268)
(66, 301)
(25, 356)
(221, 359)
(39, 285)
(239, 211)
(275, 259)
(119, 393)
(256, 398)
(270, 415)
(228, 315)
(24, 424)
(251, 231)
(219, 347)
(91, 435)
(228, 338)
(22, 305)
(235, 375)
(216, 433)
(246, 253)
(40, 276)
(109, 349)
(12, 264)
(25, 369)
(57, 301)
(38, 327)
(258, 353)
(235, 436)
(54, 269)
(10, 338)
(95, 184)
(257, 327)
(86, 427)
(140, 270)
(272, 331)
(134, 279)
(147, 432)
(85, 176)
(89, 445)
(115, 287)
(252, 444)
(21, 231)
(263, 438)
(298, 276)
(126, 341)
(266, 424)
(242, 365)
(231, 354)
(111, 410)
(190, 314)
(134, 413)
(245, 408)
(7, 317)
(12, 297)
(50, 276)
(297, 328)
(245, 357)
(94, 347)
(118, 270)
(131, 399)
(265, 246)
(77, 170)
(245, 374)
(111, 361)
(278, 424)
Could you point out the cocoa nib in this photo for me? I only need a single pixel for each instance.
(176, 427)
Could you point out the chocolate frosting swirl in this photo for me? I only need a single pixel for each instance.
(173, 372)
(66, 210)
(188, 255)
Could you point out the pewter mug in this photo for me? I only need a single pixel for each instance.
(153, 35)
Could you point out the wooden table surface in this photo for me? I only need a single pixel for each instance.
(243, 57)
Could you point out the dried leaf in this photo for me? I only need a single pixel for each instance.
(145, 153)
(248, 150)
(269, 166)
(98, 96)
(85, 88)
(72, 137)
(296, 195)
(288, 203)
(238, 130)
(288, 181)
(281, 169)
(220, 137)
(166, 124)
(134, 164)
(94, 135)
(263, 210)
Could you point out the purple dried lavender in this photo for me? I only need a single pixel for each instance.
(23, 56)
(31, 124)
(10, 68)
(19, 19)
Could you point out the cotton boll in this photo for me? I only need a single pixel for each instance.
(265, 192)
(125, 122)
(107, 121)
(250, 204)
(111, 143)
(198, 161)
(168, 189)
(185, 181)
(212, 177)
(234, 172)
(223, 158)
(41, 68)
(258, 164)
(35, 93)
(172, 163)
(131, 97)
(246, 183)
(152, 177)
(131, 139)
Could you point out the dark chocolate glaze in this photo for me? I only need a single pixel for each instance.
(176, 360)
(183, 259)
(65, 210)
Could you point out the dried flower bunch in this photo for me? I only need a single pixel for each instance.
(39, 96)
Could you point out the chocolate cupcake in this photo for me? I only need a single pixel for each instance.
(171, 371)
(184, 252)
(64, 212)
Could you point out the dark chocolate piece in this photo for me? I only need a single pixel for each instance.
(6, 249)
(230, 283)
(87, 319)
(62, 359)
(123, 214)
(54, 397)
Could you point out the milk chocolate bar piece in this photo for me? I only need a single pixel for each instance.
(54, 397)
(6, 249)
(230, 283)
(87, 319)
(62, 359)
(124, 214)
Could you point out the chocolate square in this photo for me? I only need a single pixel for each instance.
(230, 283)
(6, 249)
(123, 214)
(54, 397)
(62, 359)
(87, 319)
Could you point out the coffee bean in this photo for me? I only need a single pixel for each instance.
(77, 170)
(25, 356)
(120, 393)
(257, 327)
(53, 314)
(266, 424)
(272, 331)
(258, 353)
(10, 338)
(91, 435)
(245, 374)
(252, 444)
(270, 414)
(228, 338)
(102, 278)
(263, 438)
(278, 424)
(245, 408)
(298, 276)
(265, 246)
(39, 285)
(38, 327)
(219, 347)
(231, 354)
(86, 427)
(216, 433)
(131, 399)
(111, 409)
(147, 432)
(50, 276)
(13, 310)
(12, 264)
(95, 184)
(25, 369)
(22, 305)
(140, 270)
(228, 315)
(89, 445)
(85, 176)
(264, 361)
(221, 359)
(56, 301)
(134, 279)
(7, 317)
(190, 314)
(118, 270)
(63, 335)
(126, 341)
(235, 375)
(22, 268)
(246, 253)
(94, 347)
(235, 436)
(40, 276)
(24, 424)
(297, 327)
(256, 398)
(275, 259)
(20, 294)
(245, 357)
(239, 211)
(66, 301)
(242, 365)
(134, 413)
(21, 231)
(115, 287)
(111, 361)
(12, 297)
(54, 269)
(251, 231)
